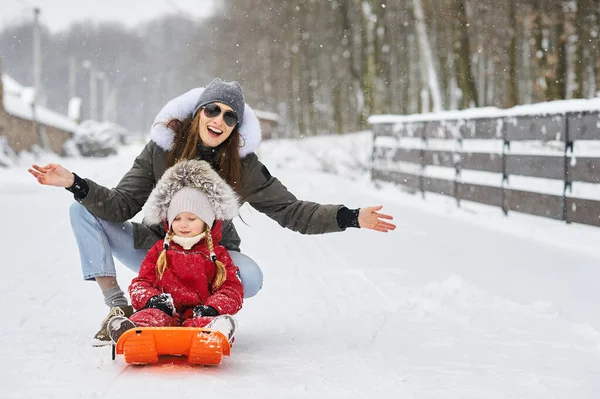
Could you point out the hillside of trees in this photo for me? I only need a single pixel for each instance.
(325, 66)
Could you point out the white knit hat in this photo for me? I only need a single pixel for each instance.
(191, 186)
(191, 200)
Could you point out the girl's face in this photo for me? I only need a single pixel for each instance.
(187, 224)
(213, 129)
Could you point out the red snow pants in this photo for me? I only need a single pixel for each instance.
(157, 318)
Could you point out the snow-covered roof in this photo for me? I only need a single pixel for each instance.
(15, 104)
(11, 86)
(544, 108)
(269, 116)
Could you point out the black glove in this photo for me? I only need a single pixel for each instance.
(162, 302)
(204, 310)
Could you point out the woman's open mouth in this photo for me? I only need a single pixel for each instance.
(213, 131)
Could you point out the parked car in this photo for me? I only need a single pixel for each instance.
(98, 139)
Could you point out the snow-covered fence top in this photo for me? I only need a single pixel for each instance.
(542, 159)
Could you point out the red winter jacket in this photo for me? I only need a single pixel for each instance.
(188, 278)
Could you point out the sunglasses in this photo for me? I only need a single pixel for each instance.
(213, 110)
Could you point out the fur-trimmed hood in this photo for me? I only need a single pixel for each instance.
(195, 174)
(183, 106)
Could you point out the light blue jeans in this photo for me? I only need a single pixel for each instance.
(99, 240)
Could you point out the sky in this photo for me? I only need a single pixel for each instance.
(59, 14)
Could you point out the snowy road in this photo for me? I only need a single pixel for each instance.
(453, 304)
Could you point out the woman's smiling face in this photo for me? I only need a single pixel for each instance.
(214, 131)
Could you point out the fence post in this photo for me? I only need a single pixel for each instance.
(457, 164)
(505, 146)
(375, 130)
(567, 183)
(423, 145)
(372, 160)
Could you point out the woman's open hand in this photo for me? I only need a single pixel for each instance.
(52, 175)
(369, 218)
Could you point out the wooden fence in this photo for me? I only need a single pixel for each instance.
(389, 155)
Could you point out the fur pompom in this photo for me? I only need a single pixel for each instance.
(195, 174)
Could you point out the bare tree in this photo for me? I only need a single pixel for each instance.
(431, 77)
(326, 66)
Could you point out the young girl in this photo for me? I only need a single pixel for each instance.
(186, 280)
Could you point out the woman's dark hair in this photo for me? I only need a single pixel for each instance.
(187, 138)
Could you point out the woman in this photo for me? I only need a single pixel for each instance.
(212, 124)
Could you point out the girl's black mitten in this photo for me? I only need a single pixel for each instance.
(162, 302)
(204, 310)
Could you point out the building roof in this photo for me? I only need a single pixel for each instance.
(16, 103)
(270, 116)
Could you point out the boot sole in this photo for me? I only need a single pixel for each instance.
(97, 343)
(225, 324)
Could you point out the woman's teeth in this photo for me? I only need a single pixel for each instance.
(214, 130)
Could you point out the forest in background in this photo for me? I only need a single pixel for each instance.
(325, 66)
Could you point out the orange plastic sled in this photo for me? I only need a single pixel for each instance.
(144, 345)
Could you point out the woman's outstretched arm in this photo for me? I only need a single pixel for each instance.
(268, 195)
(118, 204)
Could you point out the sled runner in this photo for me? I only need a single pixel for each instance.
(145, 344)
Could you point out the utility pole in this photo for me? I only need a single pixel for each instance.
(37, 57)
(93, 89)
(113, 103)
(106, 107)
(93, 95)
(73, 101)
(72, 77)
(37, 79)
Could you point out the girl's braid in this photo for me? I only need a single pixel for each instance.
(221, 273)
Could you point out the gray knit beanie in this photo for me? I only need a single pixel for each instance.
(219, 91)
(191, 200)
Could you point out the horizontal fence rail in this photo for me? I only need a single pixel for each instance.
(398, 159)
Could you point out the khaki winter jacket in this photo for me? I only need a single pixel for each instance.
(263, 192)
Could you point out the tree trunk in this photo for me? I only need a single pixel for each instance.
(513, 79)
(527, 58)
(595, 58)
(541, 52)
(349, 49)
(426, 56)
(368, 69)
(382, 47)
(556, 76)
(584, 52)
(413, 87)
(338, 118)
(491, 86)
(465, 79)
